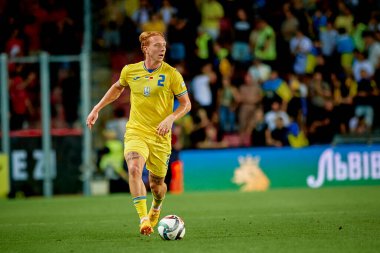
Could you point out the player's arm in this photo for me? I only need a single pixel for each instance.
(183, 108)
(111, 95)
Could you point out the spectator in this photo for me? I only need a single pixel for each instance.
(363, 100)
(373, 48)
(297, 106)
(345, 19)
(361, 63)
(374, 21)
(321, 130)
(129, 37)
(182, 132)
(275, 88)
(328, 38)
(289, 25)
(117, 123)
(228, 101)
(210, 139)
(342, 99)
(15, 45)
(204, 46)
(250, 102)
(155, 23)
(141, 15)
(263, 42)
(21, 106)
(111, 36)
(300, 46)
(274, 113)
(223, 61)
(113, 19)
(167, 11)
(200, 122)
(278, 137)
(319, 22)
(357, 34)
(295, 135)
(320, 91)
(359, 126)
(212, 12)
(259, 71)
(111, 157)
(241, 29)
(345, 47)
(177, 32)
(259, 130)
(201, 88)
(302, 15)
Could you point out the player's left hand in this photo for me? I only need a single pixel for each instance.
(166, 125)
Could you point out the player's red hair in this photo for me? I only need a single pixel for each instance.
(144, 38)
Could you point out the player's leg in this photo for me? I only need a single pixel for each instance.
(157, 164)
(135, 164)
(136, 152)
(159, 189)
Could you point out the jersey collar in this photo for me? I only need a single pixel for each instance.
(150, 71)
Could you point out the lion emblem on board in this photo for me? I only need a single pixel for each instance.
(249, 175)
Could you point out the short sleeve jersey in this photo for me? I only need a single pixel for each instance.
(152, 96)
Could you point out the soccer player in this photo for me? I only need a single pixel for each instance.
(147, 140)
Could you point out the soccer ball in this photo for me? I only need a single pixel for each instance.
(171, 227)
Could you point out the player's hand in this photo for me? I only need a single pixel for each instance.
(166, 125)
(91, 119)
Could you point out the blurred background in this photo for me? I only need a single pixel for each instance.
(286, 77)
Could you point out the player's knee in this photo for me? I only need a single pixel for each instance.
(134, 171)
(157, 186)
(153, 187)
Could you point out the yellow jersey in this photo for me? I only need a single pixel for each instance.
(152, 97)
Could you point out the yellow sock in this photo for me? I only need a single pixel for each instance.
(156, 202)
(140, 205)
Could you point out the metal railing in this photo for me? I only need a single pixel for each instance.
(44, 59)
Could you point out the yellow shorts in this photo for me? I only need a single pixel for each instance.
(156, 154)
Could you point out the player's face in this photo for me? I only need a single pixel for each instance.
(156, 49)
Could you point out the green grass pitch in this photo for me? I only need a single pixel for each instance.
(336, 219)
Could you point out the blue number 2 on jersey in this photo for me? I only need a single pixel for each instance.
(161, 80)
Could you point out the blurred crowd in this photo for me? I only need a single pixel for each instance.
(260, 72)
(27, 28)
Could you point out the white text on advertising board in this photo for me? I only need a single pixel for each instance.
(333, 166)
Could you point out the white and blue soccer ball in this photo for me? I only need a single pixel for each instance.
(171, 227)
